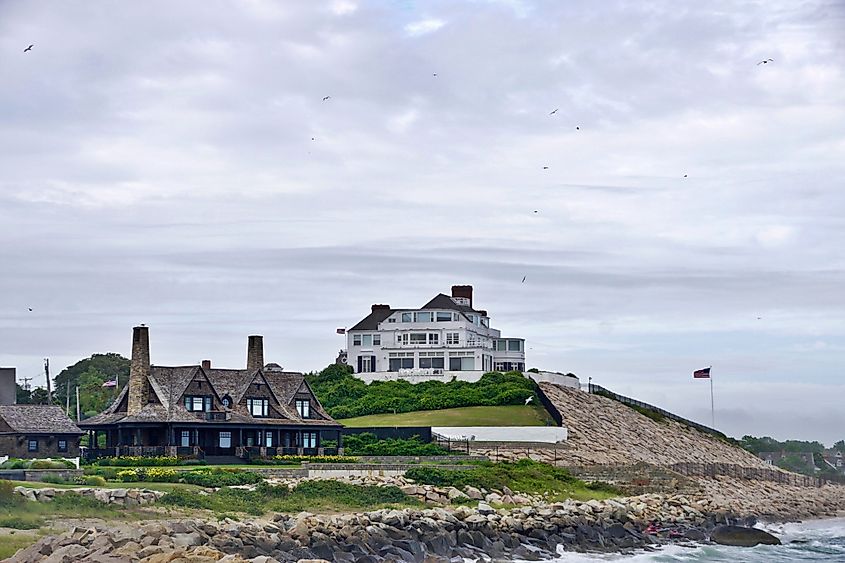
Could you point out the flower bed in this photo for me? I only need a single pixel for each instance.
(297, 459)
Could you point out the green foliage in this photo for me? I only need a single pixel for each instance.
(345, 396)
(37, 464)
(56, 480)
(138, 461)
(604, 487)
(21, 522)
(297, 459)
(7, 494)
(90, 374)
(220, 477)
(93, 481)
(839, 446)
(768, 444)
(368, 444)
(308, 495)
(525, 476)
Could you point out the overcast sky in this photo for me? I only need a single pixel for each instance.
(174, 164)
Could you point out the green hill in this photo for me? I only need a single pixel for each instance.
(509, 415)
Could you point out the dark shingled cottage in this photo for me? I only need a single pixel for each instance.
(199, 411)
(37, 431)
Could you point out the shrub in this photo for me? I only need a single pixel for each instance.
(21, 522)
(93, 481)
(293, 459)
(50, 464)
(7, 494)
(220, 477)
(138, 461)
(187, 499)
(160, 475)
(14, 464)
(525, 475)
(55, 480)
(368, 444)
(128, 475)
(108, 473)
(194, 462)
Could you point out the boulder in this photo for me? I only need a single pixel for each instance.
(742, 537)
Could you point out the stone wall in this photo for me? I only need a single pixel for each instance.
(603, 431)
(636, 479)
(123, 497)
(17, 446)
(39, 474)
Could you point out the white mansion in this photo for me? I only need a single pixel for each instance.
(445, 338)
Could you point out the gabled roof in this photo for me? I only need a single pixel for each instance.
(371, 321)
(443, 301)
(38, 419)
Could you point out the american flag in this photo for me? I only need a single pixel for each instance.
(112, 383)
(701, 373)
(341, 331)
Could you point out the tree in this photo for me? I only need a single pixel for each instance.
(38, 396)
(22, 396)
(840, 446)
(89, 375)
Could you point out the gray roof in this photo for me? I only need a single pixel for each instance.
(371, 321)
(38, 419)
(440, 302)
(443, 301)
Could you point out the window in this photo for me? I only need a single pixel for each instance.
(62, 445)
(401, 363)
(431, 363)
(257, 407)
(303, 407)
(225, 440)
(452, 338)
(461, 363)
(418, 338)
(391, 320)
(514, 345)
(356, 339)
(407, 317)
(309, 439)
(367, 364)
(433, 338)
(268, 438)
(423, 317)
(443, 316)
(32, 445)
(367, 340)
(227, 401)
(376, 340)
(197, 404)
(186, 438)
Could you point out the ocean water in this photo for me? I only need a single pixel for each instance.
(821, 540)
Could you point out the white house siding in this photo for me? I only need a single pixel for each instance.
(533, 434)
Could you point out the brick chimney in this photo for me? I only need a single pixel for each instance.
(375, 308)
(464, 291)
(255, 353)
(139, 370)
(206, 364)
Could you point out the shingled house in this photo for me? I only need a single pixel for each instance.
(37, 431)
(203, 411)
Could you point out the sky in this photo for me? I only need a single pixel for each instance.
(175, 164)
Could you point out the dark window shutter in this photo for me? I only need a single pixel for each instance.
(372, 363)
(360, 360)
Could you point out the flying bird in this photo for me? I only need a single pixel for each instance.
(577, 128)
(28, 48)
(536, 211)
(523, 278)
(434, 74)
(529, 399)
(554, 112)
(30, 309)
(545, 168)
(765, 62)
(326, 98)
(685, 175)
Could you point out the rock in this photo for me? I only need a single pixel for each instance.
(67, 554)
(484, 508)
(473, 493)
(742, 537)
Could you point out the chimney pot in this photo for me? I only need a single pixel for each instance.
(206, 364)
(255, 353)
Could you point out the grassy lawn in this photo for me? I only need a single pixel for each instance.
(511, 415)
(13, 540)
(165, 487)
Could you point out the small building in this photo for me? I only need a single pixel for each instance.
(37, 431)
(802, 462)
(198, 410)
(444, 339)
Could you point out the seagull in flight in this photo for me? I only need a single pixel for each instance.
(28, 48)
(685, 175)
(554, 112)
(326, 98)
(523, 278)
(434, 74)
(536, 211)
(765, 62)
(545, 168)
(30, 309)
(529, 399)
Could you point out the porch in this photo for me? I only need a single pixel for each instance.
(244, 442)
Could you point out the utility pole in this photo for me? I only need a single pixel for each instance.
(26, 381)
(77, 404)
(67, 399)
(49, 386)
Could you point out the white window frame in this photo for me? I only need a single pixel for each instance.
(356, 339)
(303, 407)
(259, 405)
(185, 439)
(453, 338)
(407, 317)
(309, 439)
(29, 444)
(60, 447)
(376, 340)
(224, 436)
(367, 340)
(433, 338)
(268, 438)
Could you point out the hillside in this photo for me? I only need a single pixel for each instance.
(512, 415)
(603, 431)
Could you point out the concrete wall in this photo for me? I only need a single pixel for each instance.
(556, 378)
(8, 391)
(532, 434)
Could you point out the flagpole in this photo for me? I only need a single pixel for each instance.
(712, 408)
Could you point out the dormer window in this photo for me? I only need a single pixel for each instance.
(197, 403)
(227, 401)
(258, 407)
(303, 407)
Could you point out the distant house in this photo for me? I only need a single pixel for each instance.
(802, 462)
(444, 339)
(197, 410)
(835, 459)
(37, 431)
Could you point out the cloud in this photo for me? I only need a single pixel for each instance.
(424, 27)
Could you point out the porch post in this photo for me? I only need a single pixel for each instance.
(339, 442)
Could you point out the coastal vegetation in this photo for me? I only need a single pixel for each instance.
(524, 476)
(512, 415)
(324, 495)
(369, 444)
(345, 396)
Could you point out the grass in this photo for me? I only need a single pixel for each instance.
(512, 415)
(524, 476)
(311, 496)
(10, 543)
(164, 487)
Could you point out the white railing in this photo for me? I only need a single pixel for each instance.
(420, 372)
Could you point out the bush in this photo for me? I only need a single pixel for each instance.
(368, 444)
(525, 476)
(55, 480)
(138, 461)
(7, 494)
(51, 464)
(108, 473)
(344, 396)
(93, 481)
(190, 462)
(220, 478)
(128, 475)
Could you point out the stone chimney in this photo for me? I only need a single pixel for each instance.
(206, 364)
(375, 308)
(255, 353)
(139, 370)
(464, 291)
